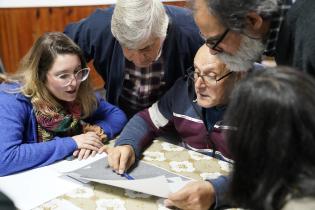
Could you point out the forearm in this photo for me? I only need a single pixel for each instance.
(109, 117)
(19, 157)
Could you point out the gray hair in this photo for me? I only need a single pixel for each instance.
(232, 13)
(136, 21)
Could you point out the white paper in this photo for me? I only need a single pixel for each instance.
(148, 178)
(70, 165)
(157, 186)
(34, 187)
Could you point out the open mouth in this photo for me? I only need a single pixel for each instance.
(202, 95)
(71, 92)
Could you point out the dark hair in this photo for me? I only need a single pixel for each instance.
(274, 144)
(232, 13)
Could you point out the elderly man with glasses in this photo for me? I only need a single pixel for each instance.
(244, 30)
(193, 107)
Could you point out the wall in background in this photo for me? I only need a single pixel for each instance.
(57, 3)
(20, 27)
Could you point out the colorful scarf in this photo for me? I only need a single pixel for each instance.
(63, 122)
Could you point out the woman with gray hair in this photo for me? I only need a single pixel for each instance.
(139, 48)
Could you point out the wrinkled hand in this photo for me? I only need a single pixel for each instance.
(119, 158)
(89, 141)
(197, 195)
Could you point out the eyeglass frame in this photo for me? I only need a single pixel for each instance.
(191, 74)
(214, 46)
(75, 76)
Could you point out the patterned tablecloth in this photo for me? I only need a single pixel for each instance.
(168, 156)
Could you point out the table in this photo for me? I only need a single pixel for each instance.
(168, 156)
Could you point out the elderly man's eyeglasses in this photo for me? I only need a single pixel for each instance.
(80, 75)
(213, 43)
(207, 79)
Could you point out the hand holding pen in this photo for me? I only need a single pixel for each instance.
(127, 176)
(120, 158)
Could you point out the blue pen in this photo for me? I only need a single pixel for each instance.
(127, 176)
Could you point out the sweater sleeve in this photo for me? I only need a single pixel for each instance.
(141, 129)
(145, 125)
(220, 186)
(135, 134)
(19, 150)
(109, 117)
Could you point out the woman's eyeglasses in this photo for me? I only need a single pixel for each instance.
(80, 75)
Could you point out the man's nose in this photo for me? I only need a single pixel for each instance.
(213, 52)
(199, 82)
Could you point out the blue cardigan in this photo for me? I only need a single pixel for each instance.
(93, 35)
(18, 130)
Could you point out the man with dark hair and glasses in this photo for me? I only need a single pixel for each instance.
(213, 42)
(244, 30)
(193, 108)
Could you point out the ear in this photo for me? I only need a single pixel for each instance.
(254, 22)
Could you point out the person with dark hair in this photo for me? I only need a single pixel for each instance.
(139, 48)
(271, 140)
(238, 30)
(49, 111)
(273, 146)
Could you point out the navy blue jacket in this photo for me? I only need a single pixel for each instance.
(93, 35)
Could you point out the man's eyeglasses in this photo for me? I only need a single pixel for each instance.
(80, 75)
(207, 79)
(213, 43)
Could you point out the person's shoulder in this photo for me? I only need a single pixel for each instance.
(177, 10)
(9, 87)
(10, 94)
(182, 24)
(100, 18)
(180, 15)
(179, 88)
(103, 12)
(181, 82)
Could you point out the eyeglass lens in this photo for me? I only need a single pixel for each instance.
(80, 76)
(214, 44)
